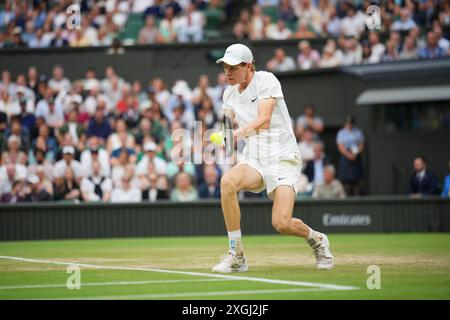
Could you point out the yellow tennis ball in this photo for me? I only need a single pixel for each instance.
(216, 138)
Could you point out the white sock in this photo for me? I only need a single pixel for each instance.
(234, 240)
(312, 234)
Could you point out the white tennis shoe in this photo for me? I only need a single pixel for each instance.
(231, 263)
(321, 249)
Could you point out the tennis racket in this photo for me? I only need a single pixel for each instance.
(227, 131)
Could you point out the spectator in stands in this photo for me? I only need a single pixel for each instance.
(167, 32)
(156, 10)
(155, 188)
(390, 54)
(149, 32)
(184, 190)
(257, 23)
(330, 188)
(51, 110)
(446, 187)
(305, 145)
(17, 193)
(353, 52)
(59, 41)
(409, 51)
(190, 25)
(333, 25)
(210, 188)
(308, 57)
(68, 161)
(99, 126)
(422, 182)
(76, 131)
(202, 90)
(278, 31)
(303, 31)
(242, 27)
(44, 141)
(443, 42)
(68, 188)
(122, 164)
(36, 192)
(315, 167)
(217, 93)
(206, 114)
(96, 186)
(9, 173)
(307, 12)
(93, 153)
(39, 161)
(150, 158)
(309, 120)
(366, 53)
(38, 41)
(26, 115)
(8, 104)
(59, 82)
(405, 23)
(354, 23)
(330, 58)
(377, 48)
(431, 50)
(286, 12)
(350, 142)
(178, 164)
(13, 154)
(126, 192)
(18, 130)
(114, 141)
(44, 182)
(280, 62)
(396, 39)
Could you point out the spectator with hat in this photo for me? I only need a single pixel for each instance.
(68, 161)
(36, 191)
(150, 157)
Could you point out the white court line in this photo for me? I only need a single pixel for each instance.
(200, 274)
(116, 283)
(191, 294)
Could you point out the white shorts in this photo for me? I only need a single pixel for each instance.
(276, 173)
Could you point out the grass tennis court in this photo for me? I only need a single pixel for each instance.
(413, 266)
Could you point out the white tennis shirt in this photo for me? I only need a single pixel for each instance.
(277, 142)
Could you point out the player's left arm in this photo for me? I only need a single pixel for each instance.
(262, 122)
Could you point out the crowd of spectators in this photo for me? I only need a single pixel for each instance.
(42, 24)
(107, 139)
(415, 29)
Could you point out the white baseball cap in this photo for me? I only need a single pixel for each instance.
(236, 54)
(150, 146)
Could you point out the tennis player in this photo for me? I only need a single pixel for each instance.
(271, 159)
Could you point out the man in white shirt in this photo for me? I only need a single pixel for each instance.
(270, 160)
(150, 158)
(126, 192)
(68, 161)
(96, 187)
(95, 153)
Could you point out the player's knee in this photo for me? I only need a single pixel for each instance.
(227, 186)
(281, 225)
